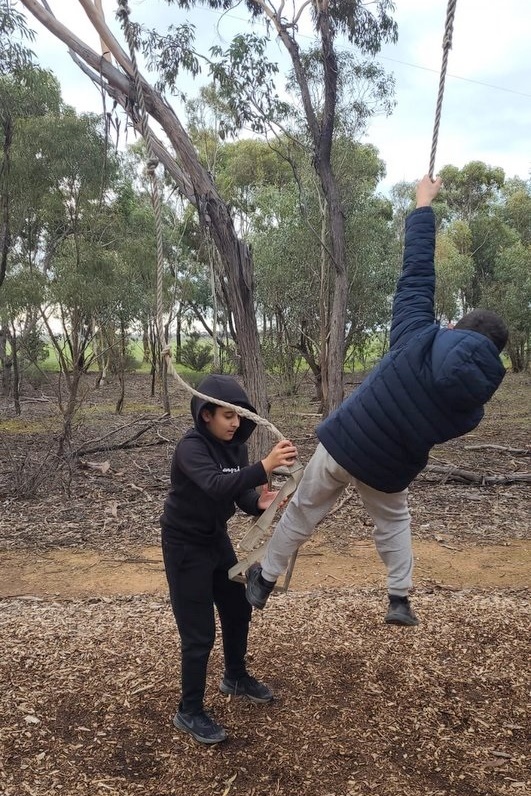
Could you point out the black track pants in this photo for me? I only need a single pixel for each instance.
(198, 580)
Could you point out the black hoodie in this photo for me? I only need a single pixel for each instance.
(208, 475)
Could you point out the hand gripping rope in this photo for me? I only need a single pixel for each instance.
(253, 542)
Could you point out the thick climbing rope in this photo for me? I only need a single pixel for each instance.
(259, 529)
(447, 46)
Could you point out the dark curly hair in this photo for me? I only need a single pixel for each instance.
(488, 323)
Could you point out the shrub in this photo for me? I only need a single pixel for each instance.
(195, 355)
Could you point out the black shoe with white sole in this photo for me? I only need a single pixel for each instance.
(200, 726)
(248, 687)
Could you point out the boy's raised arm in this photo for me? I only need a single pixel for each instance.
(413, 303)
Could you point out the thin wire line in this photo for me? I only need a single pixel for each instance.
(346, 48)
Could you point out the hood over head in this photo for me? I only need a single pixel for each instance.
(225, 388)
(467, 368)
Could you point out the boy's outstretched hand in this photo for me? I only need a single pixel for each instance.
(283, 454)
(427, 190)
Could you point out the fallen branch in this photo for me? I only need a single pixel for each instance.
(84, 451)
(452, 473)
(122, 446)
(491, 446)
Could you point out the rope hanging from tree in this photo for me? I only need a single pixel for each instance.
(259, 528)
(447, 46)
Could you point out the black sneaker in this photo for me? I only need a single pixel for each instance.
(200, 726)
(400, 612)
(257, 589)
(248, 687)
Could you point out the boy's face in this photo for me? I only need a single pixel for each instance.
(222, 423)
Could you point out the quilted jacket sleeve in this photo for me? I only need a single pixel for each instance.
(413, 306)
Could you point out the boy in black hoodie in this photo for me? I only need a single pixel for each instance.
(210, 475)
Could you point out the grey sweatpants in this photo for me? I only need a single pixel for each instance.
(321, 484)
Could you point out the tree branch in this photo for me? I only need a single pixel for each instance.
(452, 473)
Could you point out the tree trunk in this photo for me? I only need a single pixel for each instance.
(69, 412)
(16, 370)
(338, 311)
(321, 128)
(192, 179)
(178, 334)
(164, 386)
(4, 199)
(121, 368)
(213, 291)
(324, 310)
(518, 352)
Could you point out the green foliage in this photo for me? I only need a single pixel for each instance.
(193, 379)
(454, 273)
(490, 236)
(246, 84)
(365, 25)
(469, 190)
(194, 354)
(170, 54)
(509, 294)
(517, 212)
(14, 32)
(364, 90)
(35, 348)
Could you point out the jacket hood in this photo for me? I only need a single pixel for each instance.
(225, 388)
(467, 368)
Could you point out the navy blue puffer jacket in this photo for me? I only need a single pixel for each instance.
(429, 388)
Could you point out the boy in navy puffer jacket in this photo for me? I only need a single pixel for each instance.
(210, 476)
(429, 388)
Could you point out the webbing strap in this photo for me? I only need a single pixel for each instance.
(256, 533)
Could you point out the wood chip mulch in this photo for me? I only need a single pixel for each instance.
(89, 688)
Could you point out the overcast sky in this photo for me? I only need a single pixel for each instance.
(486, 111)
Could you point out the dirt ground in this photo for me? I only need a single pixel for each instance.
(67, 574)
(90, 656)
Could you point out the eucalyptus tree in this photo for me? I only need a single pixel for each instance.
(470, 191)
(15, 59)
(321, 79)
(517, 207)
(509, 294)
(454, 268)
(509, 288)
(292, 274)
(134, 211)
(25, 94)
(21, 295)
(62, 171)
(113, 74)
